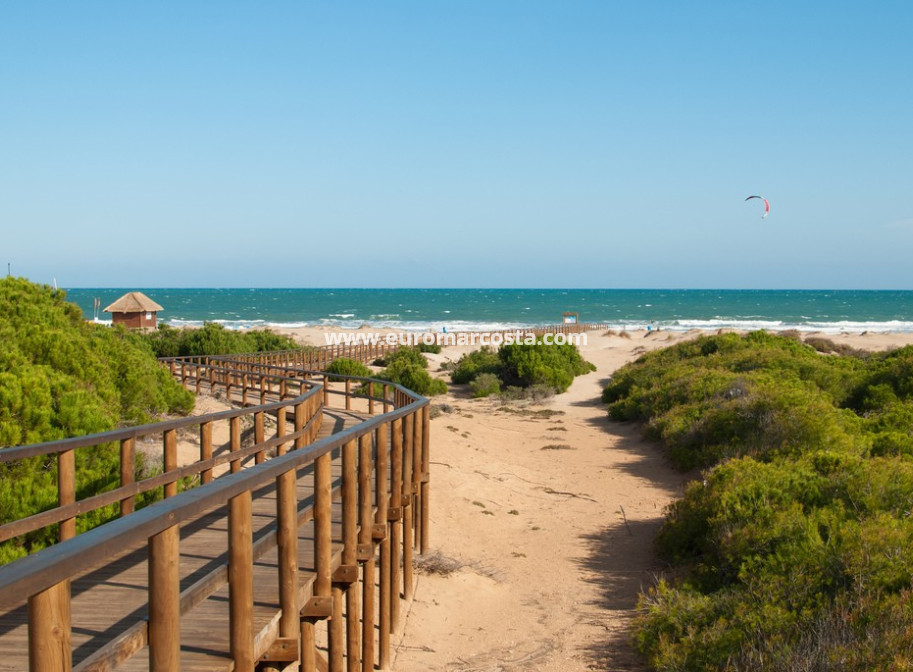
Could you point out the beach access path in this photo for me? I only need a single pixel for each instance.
(546, 515)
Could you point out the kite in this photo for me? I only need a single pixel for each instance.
(766, 205)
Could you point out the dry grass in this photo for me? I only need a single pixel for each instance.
(436, 563)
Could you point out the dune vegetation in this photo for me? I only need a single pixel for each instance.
(793, 547)
(408, 367)
(214, 339)
(520, 366)
(61, 376)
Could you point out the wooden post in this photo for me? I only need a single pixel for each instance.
(425, 542)
(336, 632)
(287, 533)
(235, 442)
(282, 448)
(165, 601)
(300, 422)
(127, 469)
(350, 550)
(366, 547)
(49, 630)
(348, 394)
(395, 515)
(417, 477)
(241, 582)
(66, 490)
(370, 397)
(408, 447)
(170, 455)
(336, 626)
(380, 519)
(318, 414)
(326, 391)
(206, 449)
(323, 551)
(259, 436)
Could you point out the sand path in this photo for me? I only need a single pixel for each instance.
(549, 510)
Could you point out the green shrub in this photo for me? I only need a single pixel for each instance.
(406, 372)
(433, 348)
(523, 365)
(554, 365)
(343, 366)
(61, 376)
(485, 384)
(215, 339)
(409, 355)
(794, 550)
(471, 364)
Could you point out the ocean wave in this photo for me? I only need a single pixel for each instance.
(837, 327)
(439, 326)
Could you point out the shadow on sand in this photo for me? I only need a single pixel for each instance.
(620, 559)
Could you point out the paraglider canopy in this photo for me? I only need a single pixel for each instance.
(766, 205)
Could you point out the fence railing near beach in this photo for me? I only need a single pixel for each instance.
(307, 551)
(322, 563)
(318, 358)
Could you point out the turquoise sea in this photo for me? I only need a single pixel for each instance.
(490, 309)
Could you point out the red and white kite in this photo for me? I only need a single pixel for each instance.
(766, 205)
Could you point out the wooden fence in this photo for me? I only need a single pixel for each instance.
(357, 500)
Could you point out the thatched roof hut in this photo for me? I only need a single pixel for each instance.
(134, 310)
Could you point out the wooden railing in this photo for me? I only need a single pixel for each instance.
(377, 471)
(288, 393)
(318, 358)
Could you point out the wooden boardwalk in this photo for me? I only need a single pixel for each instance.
(293, 552)
(110, 602)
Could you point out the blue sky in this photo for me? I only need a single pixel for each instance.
(481, 143)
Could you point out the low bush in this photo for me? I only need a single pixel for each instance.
(484, 385)
(534, 393)
(411, 355)
(794, 550)
(214, 339)
(406, 372)
(554, 365)
(524, 365)
(472, 364)
(343, 366)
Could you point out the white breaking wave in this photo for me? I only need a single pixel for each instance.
(714, 324)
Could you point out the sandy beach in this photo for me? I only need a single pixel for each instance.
(543, 516)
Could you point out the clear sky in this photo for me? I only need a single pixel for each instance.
(470, 143)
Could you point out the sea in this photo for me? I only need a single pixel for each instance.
(826, 311)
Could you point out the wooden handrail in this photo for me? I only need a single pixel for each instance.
(45, 576)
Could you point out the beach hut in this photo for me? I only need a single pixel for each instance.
(134, 310)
